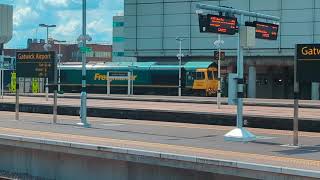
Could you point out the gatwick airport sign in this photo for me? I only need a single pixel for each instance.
(308, 62)
(35, 64)
(308, 51)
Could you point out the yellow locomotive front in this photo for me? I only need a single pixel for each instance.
(205, 81)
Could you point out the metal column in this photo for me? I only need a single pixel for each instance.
(132, 79)
(240, 133)
(219, 75)
(180, 55)
(2, 83)
(315, 91)
(296, 105)
(17, 100)
(47, 89)
(55, 92)
(129, 84)
(83, 108)
(108, 84)
(1, 73)
(240, 79)
(252, 82)
(59, 70)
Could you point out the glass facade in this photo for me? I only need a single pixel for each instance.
(118, 39)
(151, 27)
(118, 24)
(118, 54)
(96, 54)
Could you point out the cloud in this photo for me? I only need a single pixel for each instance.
(99, 26)
(56, 2)
(67, 15)
(68, 31)
(22, 15)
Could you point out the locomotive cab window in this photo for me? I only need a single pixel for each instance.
(192, 75)
(200, 76)
(211, 75)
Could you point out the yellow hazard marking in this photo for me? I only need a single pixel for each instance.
(35, 85)
(13, 83)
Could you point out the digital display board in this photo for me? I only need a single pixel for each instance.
(35, 64)
(222, 24)
(266, 31)
(218, 24)
(308, 62)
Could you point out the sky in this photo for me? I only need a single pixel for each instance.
(67, 15)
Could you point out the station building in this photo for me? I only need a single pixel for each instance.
(152, 26)
(118, 40)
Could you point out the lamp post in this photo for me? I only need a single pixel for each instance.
(82, 42)
(55, 100)
(59, 62)
(218, 43)
(180, 55)
(46, 48)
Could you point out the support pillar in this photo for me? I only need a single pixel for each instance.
(315, 91)
(240, 133)
(252, 82)
(129, 84)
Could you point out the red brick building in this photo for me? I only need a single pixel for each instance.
(70, 52)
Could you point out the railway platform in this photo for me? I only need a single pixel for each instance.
(185, 99)
(254, 116)
(150, 149)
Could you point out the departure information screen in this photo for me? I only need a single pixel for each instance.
(222, 24)
(266, 31)
(35, 64)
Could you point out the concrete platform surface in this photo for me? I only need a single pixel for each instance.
(187, 99)
(174, 140)
(249, 111)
